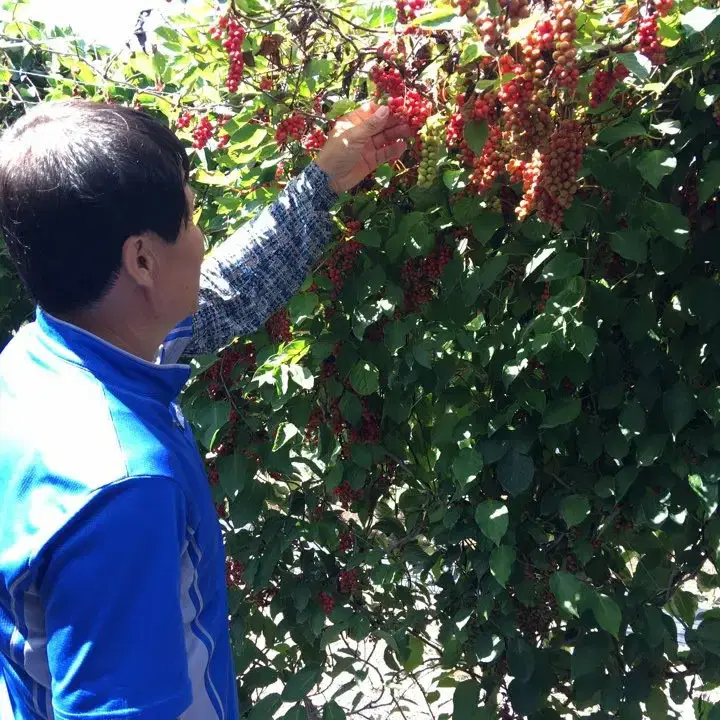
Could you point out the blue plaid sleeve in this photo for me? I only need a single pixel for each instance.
(258, 268)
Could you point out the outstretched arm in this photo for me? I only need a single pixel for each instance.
(261, 266)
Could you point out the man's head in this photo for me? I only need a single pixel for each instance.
(94, 203)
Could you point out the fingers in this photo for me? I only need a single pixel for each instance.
(390, 134)
(391, 151)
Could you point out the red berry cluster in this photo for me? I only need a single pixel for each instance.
(184, 121)
(565, 31)
(488, 29)
(349, 581)
(266, 83)
(516, 9)
(648, 40)
(408, 9)
(202, 133)
(420, 276)
(544, 298)
(392, 51)
(483, 108)
(604, 82)
(369, 431)
(716, 112)
(314, 140)
(327, 602)
(387, 81)
(490, 163)
(455, 129)
(664, 7)
(234, 570)
(292, 127)
(466, 7)
(213, 475)
(278, 326)
(341, 260)
(539, 42)
(316, 419)
(232, 34)
(413, 107)
(551, 178)
(347, 541)
(345, 495)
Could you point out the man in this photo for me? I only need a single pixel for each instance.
(112, 595)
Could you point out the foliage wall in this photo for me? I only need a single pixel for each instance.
(485, 429)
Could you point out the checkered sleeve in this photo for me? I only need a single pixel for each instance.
(262, 265)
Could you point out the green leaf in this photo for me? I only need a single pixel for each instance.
(637, 64)
(233, 471)
(679, 407)
(616, 133)
(265, 708)
(562, 266)
(585, 339)
(472, 51)
(302, 306)
(561, 412)
(574, 509)
(492, 518)
(657, 704)
(210, 420)
(476, 134)
(630, 244)
(515, 472)
(501, 561)
(567, 589)
(632, 419)
(333, 711)
(467, 465)
(708, 181)
(299, 685)
(351, 408)
(364, 378)
(684, 605)
(670, 223)
(466, 699)
(607, 613)
(656, 164)
(295, 713)
(698, 20)
(521, 659)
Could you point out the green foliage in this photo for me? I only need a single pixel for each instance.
(526, 455)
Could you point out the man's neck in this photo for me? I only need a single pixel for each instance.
(139, 339)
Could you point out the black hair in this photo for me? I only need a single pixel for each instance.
(77, 179)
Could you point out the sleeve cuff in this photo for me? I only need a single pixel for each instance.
(323, 196)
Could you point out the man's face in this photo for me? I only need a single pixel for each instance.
(180, 269)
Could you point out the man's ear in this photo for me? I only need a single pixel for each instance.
(139, 259)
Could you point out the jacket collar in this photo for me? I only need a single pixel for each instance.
(109, 364)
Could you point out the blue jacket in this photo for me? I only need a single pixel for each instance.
(112, 567)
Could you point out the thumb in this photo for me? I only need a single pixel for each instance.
(374, 124)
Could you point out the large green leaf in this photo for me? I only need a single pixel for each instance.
(502, 560)
(492, 518)
(365, 378)
(300, 684)
(515, 472)
(574, 509)
(561, 412)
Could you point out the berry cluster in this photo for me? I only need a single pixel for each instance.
(387, 81)
(292, 127)
(392, 51)
(327, 602)
(551, 178)
(487, 29)
(213, 475)
(341, 260)
(716, 112)
(349, 581)
(234, 570)
(420, 276)
(411, 106)
(408, 10)
(455, 129)
(232, 34)
(664, 7)
(314, 140)
(220, 375)
(432, 148)
(483, 108)
(369, 431)
(565, 31)
(278, 326)
(184, 121)
(604, 83)
(202, 133)
(467, 7)
(345, 495)
(316, 419)
(538, 44)
(347, 541)
(266, 83)
(648, 40)
(544, 298)
(490, 163)
(516, 9)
